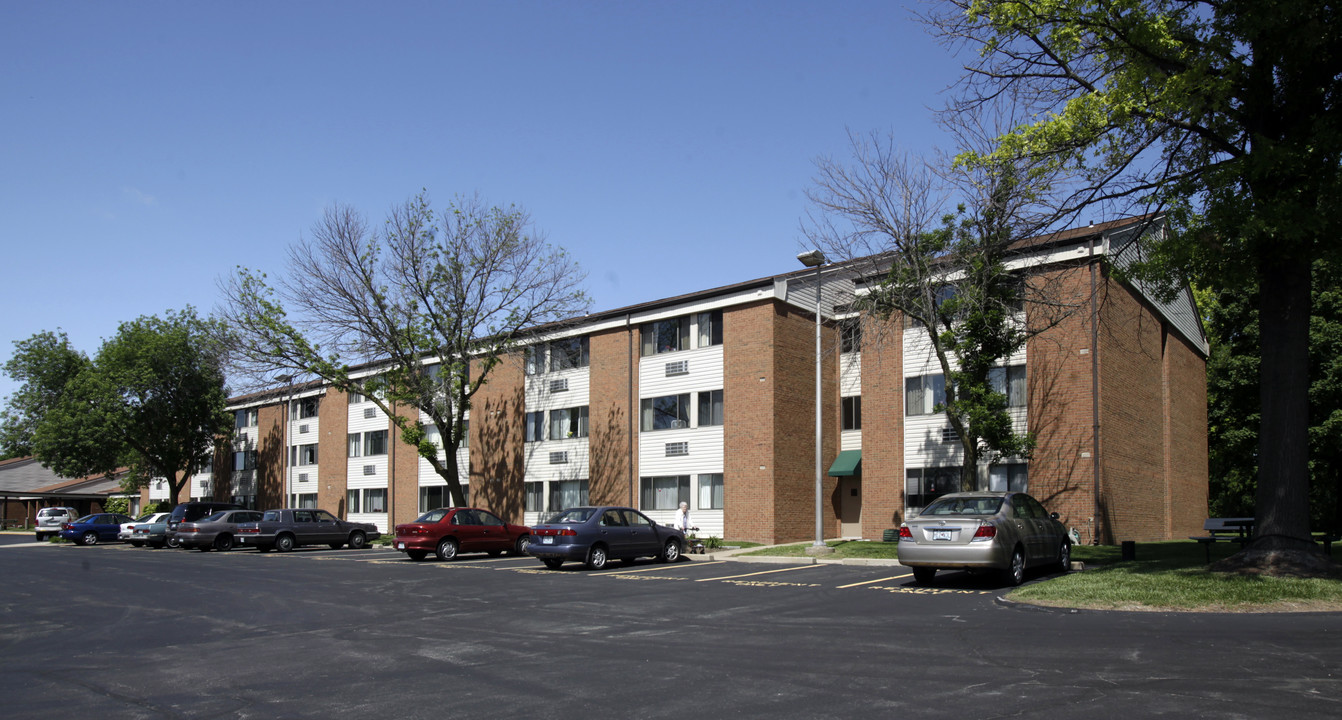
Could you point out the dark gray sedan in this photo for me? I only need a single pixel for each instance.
(595, 535)
(214, 532)
(1007, 531)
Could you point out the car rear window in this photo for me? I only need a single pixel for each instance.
(216, 517)
(964, 506)
(575, 516)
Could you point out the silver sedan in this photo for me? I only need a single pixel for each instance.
(1007, 531)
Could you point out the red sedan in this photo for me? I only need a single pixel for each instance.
(448, 531)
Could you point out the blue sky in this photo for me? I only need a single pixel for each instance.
(150, 147)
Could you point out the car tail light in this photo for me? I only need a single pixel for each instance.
(567, 532)
(986, 531)
(65, 526)
(905, 533)
(249, 530)
(188, 529)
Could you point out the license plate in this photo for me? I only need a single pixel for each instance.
(547, 540)
(242, 540)
(941, 535)
(400, 546)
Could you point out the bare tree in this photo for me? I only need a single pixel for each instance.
(428, 307)
(948, 249)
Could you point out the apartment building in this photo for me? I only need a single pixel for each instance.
(709, 398)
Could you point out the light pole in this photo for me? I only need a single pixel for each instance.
(817, 259)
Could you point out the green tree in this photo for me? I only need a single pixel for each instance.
(1222, 113)
(151, 401)
(42, 365)
(428, 306)
(1231, 319)
(945, 271)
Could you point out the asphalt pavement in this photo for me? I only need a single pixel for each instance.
(116, 632)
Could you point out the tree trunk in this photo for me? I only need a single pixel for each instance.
(1282, 513)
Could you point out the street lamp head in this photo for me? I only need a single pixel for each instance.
(814, 258)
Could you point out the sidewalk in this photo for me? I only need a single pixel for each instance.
(739, 555)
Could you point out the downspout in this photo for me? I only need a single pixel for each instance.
(633, 409)
(1094, 395)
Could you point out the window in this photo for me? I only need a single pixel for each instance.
(559, 458)
(352, 502)
(923, 485)
(1009, 381)
(710, 491)
(375, 442)
(565, 494)
(355, 398)
(568, 353)
(533, 359)
(355, 445)
(307, 501)
(710, 408)
(1013, 477)
(535, 497)
(465, 440)
(666, 336)
(375, 500)
(710, 328)
(852, 412)
(305, 408)
(924, 393)
(568, 423)
(301, 455)
(664, 493)
(535, 427)
(244, 460)
(434, 497)
(677, 449)
(666, 413)
(245, 418)
(850, 335)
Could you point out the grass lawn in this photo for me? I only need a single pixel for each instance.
(1164, 576)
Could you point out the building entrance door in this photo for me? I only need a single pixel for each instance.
(850, 506)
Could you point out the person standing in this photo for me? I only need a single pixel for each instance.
(682, 521)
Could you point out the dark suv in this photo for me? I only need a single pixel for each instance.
(191, 512)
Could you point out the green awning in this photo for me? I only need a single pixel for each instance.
(846, 463)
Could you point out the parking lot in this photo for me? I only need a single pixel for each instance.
(124, 632)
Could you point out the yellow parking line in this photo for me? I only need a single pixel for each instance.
(762, 572)
(868, 582)
(665, 566)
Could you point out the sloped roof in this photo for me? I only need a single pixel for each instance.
(27, 477)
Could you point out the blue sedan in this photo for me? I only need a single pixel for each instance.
(91, 529)
(595, 535)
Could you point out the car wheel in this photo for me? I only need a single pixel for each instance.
(447, 549)
(223, 542)
(1016, 573)
(417, 555)
(173, 542)
(596, 557)
(924, 575)
(521, 547)
(1065, 557)
(552, 563)
(90, 538)
(670, 553)
(284, 543)
(358, 540)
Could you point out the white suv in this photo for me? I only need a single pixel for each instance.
(49, 520)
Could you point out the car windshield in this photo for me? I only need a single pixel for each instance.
(432, 516)
(215, 517)
(575, 516)
(964, 506)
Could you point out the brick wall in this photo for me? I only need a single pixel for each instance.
(769, 446)
(882, 426)
(496, 450)
(332, 452)
(1186, 461)
(270, 457)
(614, 358)
(1060, 412)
